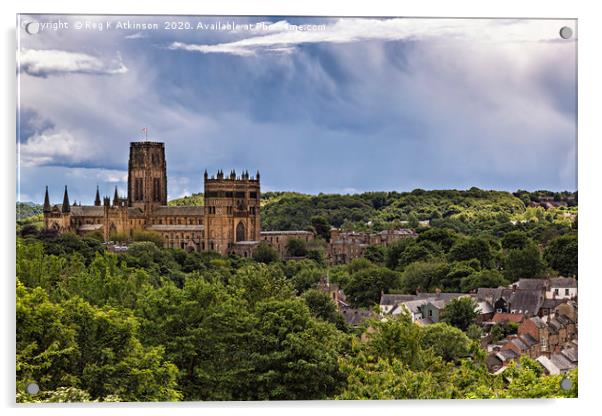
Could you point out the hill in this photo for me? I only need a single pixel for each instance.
(28, 209)
(380, 210)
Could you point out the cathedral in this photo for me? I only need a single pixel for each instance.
(228, 222)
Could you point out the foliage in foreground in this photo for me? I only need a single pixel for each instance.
(157, 324)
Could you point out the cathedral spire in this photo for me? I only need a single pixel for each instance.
(115, 196)
(46, 201)
(66, 208)
(97, 199)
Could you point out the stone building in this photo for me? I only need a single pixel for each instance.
(230, 216)
(348, 245)
(228, 223)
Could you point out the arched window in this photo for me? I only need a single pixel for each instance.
(240, 232)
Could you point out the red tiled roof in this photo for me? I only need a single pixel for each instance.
(508, 317)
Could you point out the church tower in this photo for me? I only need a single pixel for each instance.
(232, 204)
(147, 176)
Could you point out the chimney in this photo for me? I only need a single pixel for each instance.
(514, 287)
(418, 290)
(437, 293)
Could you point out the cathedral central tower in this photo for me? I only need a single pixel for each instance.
(147, 176)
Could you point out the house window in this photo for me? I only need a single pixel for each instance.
(566, 292)
(556, 291)
(430, 313)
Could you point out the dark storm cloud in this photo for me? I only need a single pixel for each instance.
(377, 106)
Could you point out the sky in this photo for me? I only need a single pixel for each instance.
(332, 105)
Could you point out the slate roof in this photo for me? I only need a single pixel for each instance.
(394, 299)
(85, 210)
(437, 303)
(493, 361)
(570, 354)
(90, 227)
(532, 284)
(525, 301)
(563, 282)
(548, 365)
(190, 210)
(528, 339)
(520, 344)
(538, 322)
(561, 362)
(506, 355)
(551, 303)
(563, 319)
(414, 305)
(401, 231)
(292, 232)
(355, 317)
(175, 227)
(134, 212)
(487, 293)
(484, 307)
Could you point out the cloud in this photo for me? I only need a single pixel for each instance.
(458, 105)
(283, 36)
(41, 63)
(55, 147)
(137, 35)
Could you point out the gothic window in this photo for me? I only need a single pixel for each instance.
(240, 232)
(156, 189)
(138, 191)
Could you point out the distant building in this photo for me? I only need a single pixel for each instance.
(230, 215)
(348, 245)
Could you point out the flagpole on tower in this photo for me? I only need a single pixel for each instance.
(145, 130)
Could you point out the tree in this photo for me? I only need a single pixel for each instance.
(515, 240)
(150, 236)
(423, 251)
(265, 253)
(295, 356)
(306, 278)
(458, 271)
(561, 255)
(97, 350)
(295, 247)
(524, 263)
(472, 248)
(365, 286)
(444, 237)
(29, 230)
(322, 306)
(460, 312)
(483, 278)
(375, 253)
(395, 250)
(208, 332)
(424, 276)
(448, 342)
(321, 226)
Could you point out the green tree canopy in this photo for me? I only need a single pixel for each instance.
(561, 255)
(460, 312)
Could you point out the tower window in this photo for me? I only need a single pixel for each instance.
(138, 191)
(156, 189)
